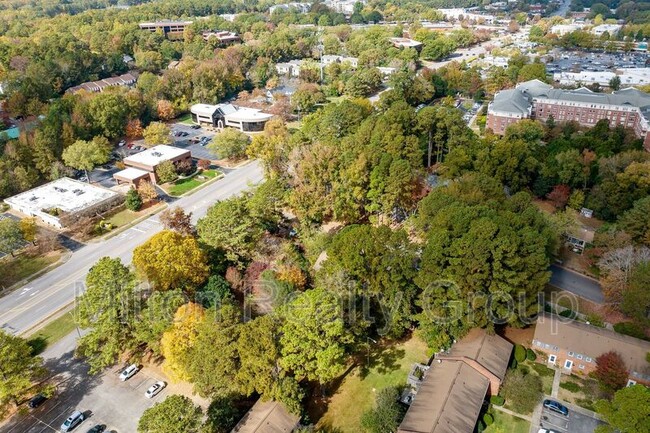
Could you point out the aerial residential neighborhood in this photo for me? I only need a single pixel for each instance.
(345, 216)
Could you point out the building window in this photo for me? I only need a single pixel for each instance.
(581, 367)
(571, 354)
(631, 382)
(551, 359)
(588, 359)
(538, 343)
(579, 356)
(568, 364)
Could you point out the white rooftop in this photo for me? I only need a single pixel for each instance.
(204, 109)
(245, 114)
(131, 173)
(155, 155)
(66, 194)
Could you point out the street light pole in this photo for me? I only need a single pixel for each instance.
(75, 323)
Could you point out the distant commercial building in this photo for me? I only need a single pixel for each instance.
(143, 164)
(563, 29)
(406, 43)
(126, 80)
(300, 7)
(611, 29)
(166, 26)
(229, 115)
(628, 77)
(459, 14)
(454, 387)
(224, 37)
(63, 197)
(574, 346)
(537, 100)
(343, 6)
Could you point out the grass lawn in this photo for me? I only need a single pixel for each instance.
(52, 332)
(545, 373)
(126, 216)
(505, 423)
(18, 268)
(582, 391)
(184, 185)
(185, 119)
(390, 366)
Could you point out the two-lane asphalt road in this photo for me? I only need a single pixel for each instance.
(581, 285)
(26, 307)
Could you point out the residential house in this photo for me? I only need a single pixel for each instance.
(451, 394)
(574, 346)
(125, 80)
(406, 43)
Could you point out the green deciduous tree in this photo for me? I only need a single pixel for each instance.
(522, 391)
(18, 369)
(11, 237)
(627, 412)
(108, 308)
(314, 336)
(170, 260)
(230, 143)
(85, 155)
(230, 227)
(636, 221)
(387, 413)
(157, 317)
(166, 171)
(176, 414)
(156, 133)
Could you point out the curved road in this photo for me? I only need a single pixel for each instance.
(29, 306)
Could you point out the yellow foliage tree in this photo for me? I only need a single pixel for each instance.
(177, 342)
(292, 275)
(170, 260)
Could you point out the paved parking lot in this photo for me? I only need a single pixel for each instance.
(103, 398)
(575, 61)
(578, 421)
(198, 151)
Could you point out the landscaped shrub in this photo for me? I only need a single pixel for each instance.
(520, 353)
(133, 201)
(631, 329)
(543, 370)
(513, 364)
(524, 369)
(571, 386)
(488, 419)
(596, 320)
(497, 400)
(569, 314)
(530, 355)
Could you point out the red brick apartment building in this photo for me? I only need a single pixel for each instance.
(534, 99)
(574, 346)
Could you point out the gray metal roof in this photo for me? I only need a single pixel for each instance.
(511, 101)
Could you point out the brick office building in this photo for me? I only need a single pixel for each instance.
(534, 99)
(574, 346)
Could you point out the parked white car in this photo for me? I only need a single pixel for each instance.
(128, 372)
(155, 389)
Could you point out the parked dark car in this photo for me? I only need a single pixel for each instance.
(195, 126)
(99, 428)
(556, 407)
(36, 401)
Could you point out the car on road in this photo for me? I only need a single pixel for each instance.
(128, 372)
(554, 406)
(36, 401)
(121, 143)
(183, 134)
(99, 428)
(195, 126)
(138, 148)
(155, 389)
(72, 421)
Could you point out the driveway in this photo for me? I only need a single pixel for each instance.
(579, 420)
(103, 398)
(576, 283)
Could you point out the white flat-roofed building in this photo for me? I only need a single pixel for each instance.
(131, 176)
(63, 196)
(328, 59)
(628, 77)
(612, 29)
(228, 115)
(149, 159)
(406, 43)
(563, 29)
(300, 7)
(224, 37)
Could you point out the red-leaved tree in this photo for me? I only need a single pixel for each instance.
(559, 196)
(611, 371)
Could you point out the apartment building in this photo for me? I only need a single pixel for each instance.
(125, 80)
(165, 26)
(574, 346)
(534, 99)
(224, 37)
